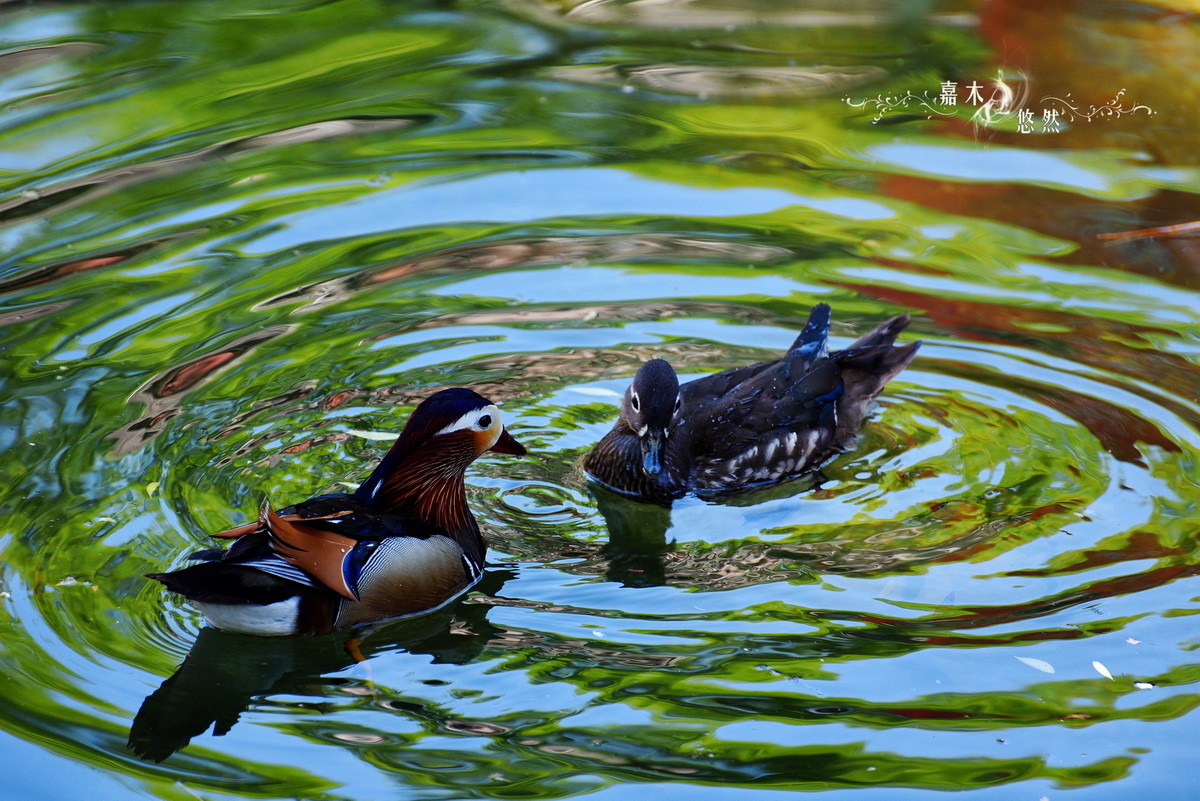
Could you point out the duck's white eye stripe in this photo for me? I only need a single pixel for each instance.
(474, 419)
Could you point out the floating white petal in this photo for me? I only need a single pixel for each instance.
(377, 436)
(599, 392)
(1036, 664)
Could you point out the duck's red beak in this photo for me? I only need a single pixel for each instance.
(506, 444)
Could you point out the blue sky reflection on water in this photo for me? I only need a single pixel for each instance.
(574, 284)
(520, 196)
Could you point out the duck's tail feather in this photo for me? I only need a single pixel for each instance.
(883, 334)
(224, 583)
(866, 369)
(874, 359)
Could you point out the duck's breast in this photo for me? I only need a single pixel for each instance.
(409, 575)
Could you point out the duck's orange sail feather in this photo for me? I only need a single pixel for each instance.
(320, 553)
(240, 531)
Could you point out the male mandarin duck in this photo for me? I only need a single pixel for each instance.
(750, 425)
(403, 543)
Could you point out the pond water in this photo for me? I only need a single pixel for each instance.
(241, 239)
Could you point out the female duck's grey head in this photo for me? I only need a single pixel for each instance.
(651, 406)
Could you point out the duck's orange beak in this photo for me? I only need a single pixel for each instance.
(506, 444)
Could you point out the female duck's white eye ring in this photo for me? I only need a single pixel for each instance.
(636, 402)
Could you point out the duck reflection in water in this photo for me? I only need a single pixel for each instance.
(637, 539)
(404, 544)
(740, 429)
(226, 673)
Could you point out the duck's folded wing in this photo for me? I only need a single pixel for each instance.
(249, 572)
(711, 389)
(333, 506)
(773, 401)
(328, 538)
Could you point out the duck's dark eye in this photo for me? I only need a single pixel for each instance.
(678, 403)
(637, 404)
(485, 421)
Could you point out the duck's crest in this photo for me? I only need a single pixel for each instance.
(428, 418)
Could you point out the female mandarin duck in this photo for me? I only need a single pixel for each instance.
(750, 425)
(403, 543)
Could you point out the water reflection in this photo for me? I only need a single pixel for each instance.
(636, 550)
(527, 253)
(718, 14)
(224, 674)
(163, 395)
(639, 552)
(62, 197)
(733, 83)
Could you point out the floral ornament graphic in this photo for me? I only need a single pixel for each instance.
(1113, 108)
